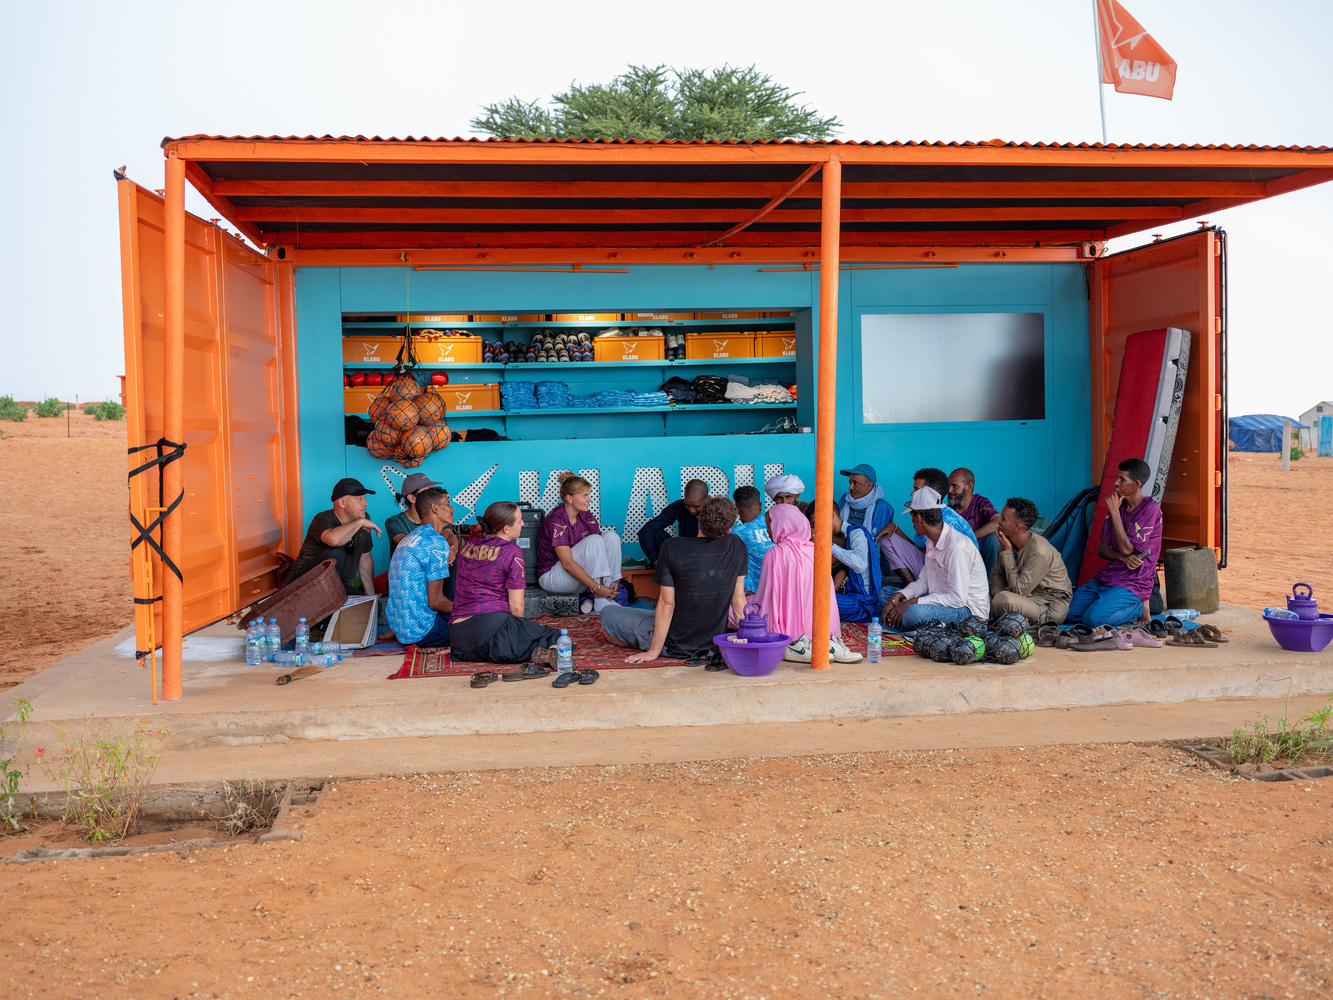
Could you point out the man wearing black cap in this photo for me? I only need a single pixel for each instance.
(343, 535)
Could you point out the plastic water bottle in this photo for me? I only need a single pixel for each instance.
(326, 647)
(1280, 613)
(564, 654)
(274, 639)
(285, 659)
(302, 636)
(256, 644)
(319, 659)
(874, 641)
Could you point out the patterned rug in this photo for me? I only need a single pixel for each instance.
(592, 650)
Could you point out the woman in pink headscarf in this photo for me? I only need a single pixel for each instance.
(786, 586)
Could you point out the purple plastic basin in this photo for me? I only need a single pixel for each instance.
(1302, 635)
(753, 658)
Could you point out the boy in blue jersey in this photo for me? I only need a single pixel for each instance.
(752, 531)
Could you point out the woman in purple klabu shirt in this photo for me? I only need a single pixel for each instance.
(1131, 544)
(487, 624)
(574, 554)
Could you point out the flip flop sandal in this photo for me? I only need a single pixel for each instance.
(1157, 628)
(1211, 632)
(564, 680)
(1139, 637)
(1047, 635)
(1100, 644)
(482, 677)
(586, 677)
(1078, 628)
(1174, 626)
(1191, 638)
(529, 671)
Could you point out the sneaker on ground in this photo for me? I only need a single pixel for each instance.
(839, 653)
(798, 651)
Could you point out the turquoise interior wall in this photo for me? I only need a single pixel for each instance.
(1046, 460)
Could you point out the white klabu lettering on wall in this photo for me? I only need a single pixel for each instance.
(530, 479)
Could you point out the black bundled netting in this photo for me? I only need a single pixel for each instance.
(710, 389)
(678, 390)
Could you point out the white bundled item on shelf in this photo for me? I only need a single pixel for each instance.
(740, 391)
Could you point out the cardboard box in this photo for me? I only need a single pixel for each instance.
(628, 348)
(355, 624)
(707, 346)
(775, 345)
(371, 350)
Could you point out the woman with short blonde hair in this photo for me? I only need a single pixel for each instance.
(574, 553)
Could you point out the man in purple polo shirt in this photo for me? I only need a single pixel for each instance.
(1131, 543)
(978, 512)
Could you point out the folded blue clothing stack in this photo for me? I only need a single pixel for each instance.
(518, 395)
(552, 396)
(608, 397)
(650, 399)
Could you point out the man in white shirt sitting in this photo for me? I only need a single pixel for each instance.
(952, 584)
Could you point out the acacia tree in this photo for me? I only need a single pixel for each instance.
(653, 103)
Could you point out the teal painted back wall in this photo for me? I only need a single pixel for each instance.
(1047, 460)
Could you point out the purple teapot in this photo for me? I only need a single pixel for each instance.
(754, 626)
(1306, 607)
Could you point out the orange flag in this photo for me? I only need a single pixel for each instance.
(1131, 58)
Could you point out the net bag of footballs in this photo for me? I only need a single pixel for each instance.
(408, 422)
(1003, 649)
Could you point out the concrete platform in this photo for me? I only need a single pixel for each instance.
(230, 705)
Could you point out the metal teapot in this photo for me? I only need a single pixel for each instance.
(754, 626)
(1306, 607)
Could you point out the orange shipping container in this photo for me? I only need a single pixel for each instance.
(628, 348)
(371, 350)
(706, 346)
(775, 345)
(469, 397)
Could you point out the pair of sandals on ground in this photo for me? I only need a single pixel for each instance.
(542, 664)
(1086, 639)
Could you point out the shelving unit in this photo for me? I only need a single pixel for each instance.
(586, 378)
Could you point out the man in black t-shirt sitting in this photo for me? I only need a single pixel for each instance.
(683, 513)
(701, 578)
(343, 535)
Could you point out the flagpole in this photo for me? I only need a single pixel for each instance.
(1097, 48)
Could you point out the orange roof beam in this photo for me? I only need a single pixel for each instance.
(738, 189)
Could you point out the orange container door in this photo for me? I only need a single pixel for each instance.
(1180, 283)
(239, 413)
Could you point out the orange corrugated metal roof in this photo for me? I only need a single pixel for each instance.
(359, 192)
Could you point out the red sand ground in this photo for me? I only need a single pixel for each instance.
(1054, 872)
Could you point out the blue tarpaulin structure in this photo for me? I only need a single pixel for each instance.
(1258, 432)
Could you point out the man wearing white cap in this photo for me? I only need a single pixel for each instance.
(784, 489)
(952, 584)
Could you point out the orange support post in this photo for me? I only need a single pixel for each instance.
(173, 420)
(825, 414)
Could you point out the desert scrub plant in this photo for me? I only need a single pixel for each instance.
(1311, 739)
(49, 407)
(10, 773)
(10, 410)
(1297, 453)
(105, 411)
(247, 807)
(105, 777)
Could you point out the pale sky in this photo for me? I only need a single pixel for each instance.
(86, 87)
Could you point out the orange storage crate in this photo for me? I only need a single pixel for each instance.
(778, 344)
(706, 346)
(729, 315)
(628, 348)
(358, 400)
(585, 317)
(508, 318)
(371, 350)
(448, 350)
(434, 318)
(786, 314)
(657, 317)
(469, 397)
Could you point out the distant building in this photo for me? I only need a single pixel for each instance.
(1319, 438)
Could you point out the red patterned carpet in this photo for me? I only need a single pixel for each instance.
(593, 651)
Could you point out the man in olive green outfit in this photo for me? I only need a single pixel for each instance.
(1029, 576)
